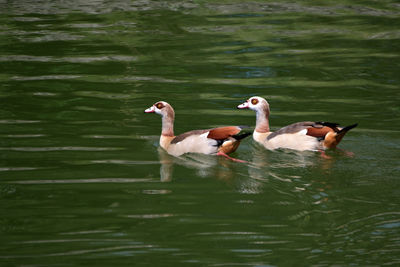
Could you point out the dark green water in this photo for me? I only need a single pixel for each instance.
(82, 182)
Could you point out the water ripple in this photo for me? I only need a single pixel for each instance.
(374, 216)
(125, 162)
(77, 252)
(18, 121)
(28, 58)
(149, 78)
(73, 240)
(45, 36)
(23, 135)
(65, 148)
(229, 233)
(6, 169)
(44, 77)
(27, 19)
(277, 7)
(243, 9)
(87, 232)
(85, 181)
(148, 216)
(156, 192)
(105, 95)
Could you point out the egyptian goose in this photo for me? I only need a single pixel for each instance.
(306, 135)
(220, 141)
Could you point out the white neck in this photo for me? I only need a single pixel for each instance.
(262, 122)
(167, 125)
(168, 117)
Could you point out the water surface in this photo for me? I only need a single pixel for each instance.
(83, 182)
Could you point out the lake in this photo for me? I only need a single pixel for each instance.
(83, 181)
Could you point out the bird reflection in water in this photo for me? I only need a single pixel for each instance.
(272, 168)
(231, 173)
(264, 167)
(264, 161)
(205, 165)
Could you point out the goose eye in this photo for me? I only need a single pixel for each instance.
(159, 105)
(254, 101)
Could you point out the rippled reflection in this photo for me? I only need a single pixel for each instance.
(27, 58)
(205, 165)
(66, 148)
(264, 168)
(85, 181)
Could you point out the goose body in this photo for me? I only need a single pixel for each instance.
(306, 135)
(219, 141)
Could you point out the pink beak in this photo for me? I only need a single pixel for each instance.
(244, 105)
(150, 110)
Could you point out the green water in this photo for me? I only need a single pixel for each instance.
(83, 183)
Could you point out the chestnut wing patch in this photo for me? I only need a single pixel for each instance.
(319, 132)
(320, 129)
(222, 133)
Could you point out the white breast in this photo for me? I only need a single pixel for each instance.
(194, 144)
(260, 137)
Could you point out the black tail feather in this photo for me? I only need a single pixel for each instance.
(329, 124)
(347, 128)
(240, 136)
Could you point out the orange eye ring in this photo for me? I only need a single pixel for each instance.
(254, 101)
(159, 106)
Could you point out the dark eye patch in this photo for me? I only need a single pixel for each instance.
(159, 105)
(254, 101)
